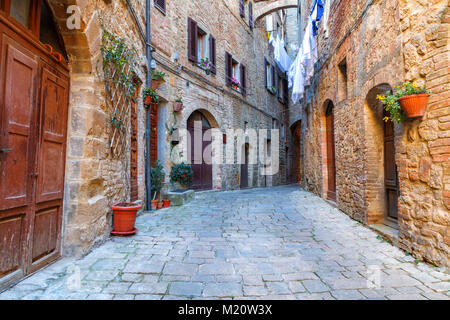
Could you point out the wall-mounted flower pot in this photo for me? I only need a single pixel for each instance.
(177, 106)
(156, 84)
(154, 204)
(124, 217)
(166, 203)
(414, 105)
(160, 205)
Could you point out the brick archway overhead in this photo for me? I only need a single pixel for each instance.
(76, 42)
(263, 8)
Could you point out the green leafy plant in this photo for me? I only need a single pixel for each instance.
(152, 93)
(182, 173)
(274, 90)
(157, 177)
(158, 75)
(178, 100)
(390, 100)
(172, 129)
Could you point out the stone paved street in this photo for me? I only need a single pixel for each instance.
(274, 243)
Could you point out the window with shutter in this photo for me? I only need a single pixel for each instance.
(250, 14)
(212, 53)
(285, 91)
(242, 8)
(228, 68)
(192, 40)
(161, 5)
(243, 80)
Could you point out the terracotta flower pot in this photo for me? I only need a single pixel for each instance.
(156, 84)
(166, 203)
(160, 205)
(154, 204)
(414, 105)
(124, 216)
(177, 106)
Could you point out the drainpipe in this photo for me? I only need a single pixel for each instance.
(148, 112)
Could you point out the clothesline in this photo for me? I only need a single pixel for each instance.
(302, 70)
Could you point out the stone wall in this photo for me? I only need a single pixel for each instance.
(384, 43)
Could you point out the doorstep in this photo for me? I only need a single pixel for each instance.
(387, 231)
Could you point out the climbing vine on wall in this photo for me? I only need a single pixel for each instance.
(117, 68)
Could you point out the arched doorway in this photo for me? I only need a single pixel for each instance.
(383, 187)
(199, 151)
(34, 94)
(331, 154)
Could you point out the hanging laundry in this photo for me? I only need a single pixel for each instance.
(326, 16)
(282, 59)
(316, 14)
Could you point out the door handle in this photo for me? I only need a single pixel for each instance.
(5, 150)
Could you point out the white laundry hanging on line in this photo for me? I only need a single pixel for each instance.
(326, 17)
(281, 57)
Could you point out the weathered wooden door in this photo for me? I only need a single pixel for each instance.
(331, 162)
(34, 91)
(244, 168)
(200, 151)
(390, 171)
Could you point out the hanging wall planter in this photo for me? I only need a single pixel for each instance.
(178, 105)
(150, 96)
(414, 105)
(124, 217)
(408, 100)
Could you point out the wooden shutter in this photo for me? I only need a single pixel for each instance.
(192, 40)
(212, 53)
(285, 91)
(161, 4)
(274, 77)
(250, 14)
(228, 68)
(242, 8)
(265, 73)
(243, 80)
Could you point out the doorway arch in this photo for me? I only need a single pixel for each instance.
(382, 188)
(329, 152)
(296, 161)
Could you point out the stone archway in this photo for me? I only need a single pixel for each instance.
(264, 8)
(380, 159)
(296, 153)
(86, 216)
(208, 124)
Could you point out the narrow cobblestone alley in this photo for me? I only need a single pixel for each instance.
(274, 243)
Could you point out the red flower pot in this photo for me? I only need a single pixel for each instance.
(166, 203)
(177, 106)
(160, 205)
(124, 218)
(414, 105)
(154, 204)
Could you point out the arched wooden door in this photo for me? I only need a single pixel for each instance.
(34, 97)
(331, 158)
(296, 172)
(200, 151)
(390, 171)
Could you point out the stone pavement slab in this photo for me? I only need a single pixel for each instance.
(273, 243)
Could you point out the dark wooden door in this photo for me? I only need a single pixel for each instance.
(390, 171)
(134, 190)
(331, 159)
(34, 93)
(244, 168)
(199, 148)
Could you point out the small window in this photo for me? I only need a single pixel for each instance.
(202, 44)
(161, 5)
(342, 80)
(21, 11)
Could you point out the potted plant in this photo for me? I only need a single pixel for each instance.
(160, 205)
(124, 218)
(205, 65)
(408, 100)
(166, 203)
(157, 78)
(150, 96)
(235, 83)
(182, 175)
(178, 105)
(157, 177)
(273, 90)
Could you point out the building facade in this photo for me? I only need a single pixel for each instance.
(78, 145)
(394, 178)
